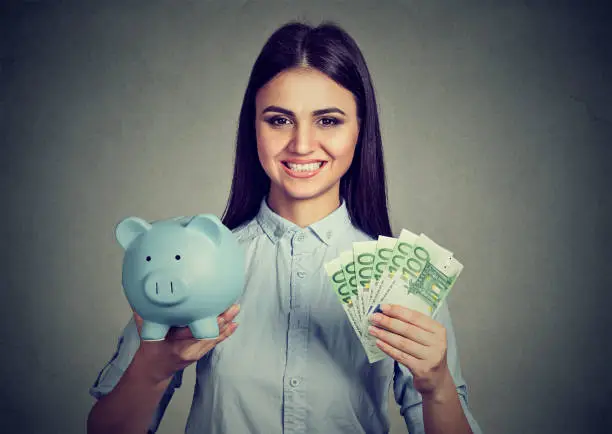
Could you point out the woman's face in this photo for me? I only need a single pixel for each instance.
(307, 129)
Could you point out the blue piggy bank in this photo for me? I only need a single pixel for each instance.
(180, 272)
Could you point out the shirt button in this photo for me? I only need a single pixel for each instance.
(294, 382)
(301, 274)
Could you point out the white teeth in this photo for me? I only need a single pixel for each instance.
(304, 167)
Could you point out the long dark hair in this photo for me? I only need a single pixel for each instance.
(329, 49)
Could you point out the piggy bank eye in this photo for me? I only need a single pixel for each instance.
(177, 257)
(148, 259)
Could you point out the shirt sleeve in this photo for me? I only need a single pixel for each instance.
(410, 400)
(111, 373)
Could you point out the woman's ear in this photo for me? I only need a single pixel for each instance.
(129, 229)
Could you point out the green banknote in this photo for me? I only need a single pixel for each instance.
(346, 295)
(348, 267)
(364, 253)
(423, 251)
(401, 252)
(344, 292)
(427, 292)
(411, 270)
(384, 250)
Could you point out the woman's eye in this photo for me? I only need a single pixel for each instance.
(329, 122)
(278, 121)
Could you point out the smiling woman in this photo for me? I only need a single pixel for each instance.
(308, 182)
(306, 129)
(310, 100)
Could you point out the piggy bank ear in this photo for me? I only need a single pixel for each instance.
(129, 229)
(208, 224)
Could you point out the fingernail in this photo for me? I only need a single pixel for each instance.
(235, 308)
(372, 330)
(375, 318)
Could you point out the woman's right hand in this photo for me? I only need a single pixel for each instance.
(162, 359)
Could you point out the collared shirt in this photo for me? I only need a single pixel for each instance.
(294, 364)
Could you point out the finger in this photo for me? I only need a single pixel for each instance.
(206, 345)
(407, 360)
(200, 347)
(402, 328)
(412, 316)
(227, 332)
(223, 328)
(230, 313)
(402, 344)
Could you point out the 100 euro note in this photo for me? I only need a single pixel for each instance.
(382, 255)
(401, 251)
(348, 267)
(346, 295)
(410, 258)
(364, 253)
(411, 271)
(422, 252)
(427, 292)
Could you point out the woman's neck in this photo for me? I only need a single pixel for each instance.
(303, 212)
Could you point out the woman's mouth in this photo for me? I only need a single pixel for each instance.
(307, 170)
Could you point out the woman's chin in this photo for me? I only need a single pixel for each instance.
(304, 193)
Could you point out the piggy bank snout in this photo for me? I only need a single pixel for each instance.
(164, 289)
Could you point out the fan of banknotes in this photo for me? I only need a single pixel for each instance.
(411, 270)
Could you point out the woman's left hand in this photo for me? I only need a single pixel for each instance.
(416, 341)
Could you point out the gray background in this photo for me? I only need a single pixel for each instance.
(496, 120)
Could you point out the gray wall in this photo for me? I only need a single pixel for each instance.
(496, 121)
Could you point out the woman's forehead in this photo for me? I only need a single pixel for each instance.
(305, 90)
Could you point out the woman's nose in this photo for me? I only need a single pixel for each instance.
(303, 140)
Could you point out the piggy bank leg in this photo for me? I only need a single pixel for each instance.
(152, 331)
(206, 328)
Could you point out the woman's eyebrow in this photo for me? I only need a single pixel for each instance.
(328, 110)
(274, 108)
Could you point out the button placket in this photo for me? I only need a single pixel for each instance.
(297, 338)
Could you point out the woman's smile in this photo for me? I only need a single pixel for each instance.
(306, 169)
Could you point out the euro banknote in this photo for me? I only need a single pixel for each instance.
(410, 270)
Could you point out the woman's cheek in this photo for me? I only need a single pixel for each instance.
(342, 152)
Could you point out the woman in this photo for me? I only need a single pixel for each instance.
(308, 182)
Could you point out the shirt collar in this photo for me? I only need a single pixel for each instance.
(327, 229)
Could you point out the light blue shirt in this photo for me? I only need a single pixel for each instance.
(294, 364)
